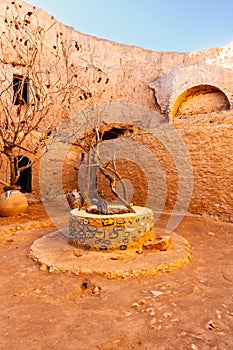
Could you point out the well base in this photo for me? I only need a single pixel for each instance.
(55, 254)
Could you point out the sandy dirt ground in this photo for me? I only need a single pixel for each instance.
(190, 308)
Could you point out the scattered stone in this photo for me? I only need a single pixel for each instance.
(211, 234)
(152, 323)
(221, 333)
(77, 253)
(156, 293)
(10, 240)
(183, 333)
(135, 305)
(37, 291)
(160, 243)
(43, 267)
(96, 290)
(115, 257)
(151, 311)
(211, 325)
(128, 314)
(194, 347)
(139, 250)
(54, 269)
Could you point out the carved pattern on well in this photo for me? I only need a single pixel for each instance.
(108, 232)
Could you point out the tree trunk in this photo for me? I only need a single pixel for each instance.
(14, 174)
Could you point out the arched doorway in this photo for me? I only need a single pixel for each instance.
(25, 178)
(201, 99)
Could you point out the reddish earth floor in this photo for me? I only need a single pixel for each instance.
(34, 212)
(190, 308)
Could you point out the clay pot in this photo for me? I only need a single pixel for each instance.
(12, 202)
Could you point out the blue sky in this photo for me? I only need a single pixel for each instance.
(159, 25)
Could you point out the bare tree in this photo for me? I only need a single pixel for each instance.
(89, 146)
(37, 81)
(39, 84)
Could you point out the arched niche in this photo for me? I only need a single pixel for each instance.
(75, 155)
(201, 99)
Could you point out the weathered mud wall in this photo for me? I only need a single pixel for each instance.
(191, 91)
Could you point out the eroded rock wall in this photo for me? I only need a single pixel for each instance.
(120, 73)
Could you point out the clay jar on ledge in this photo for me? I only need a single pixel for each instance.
(12, 201)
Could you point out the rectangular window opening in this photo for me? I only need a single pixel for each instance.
(20, 90)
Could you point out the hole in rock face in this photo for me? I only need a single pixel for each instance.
(84, 285)
(114, 131)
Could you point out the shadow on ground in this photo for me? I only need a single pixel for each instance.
(190, 308)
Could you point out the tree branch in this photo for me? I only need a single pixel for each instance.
(4, 183)
(113, 188)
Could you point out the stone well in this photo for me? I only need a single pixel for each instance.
(117, 245)
(111, 232)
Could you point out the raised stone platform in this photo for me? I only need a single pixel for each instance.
(54, 253)
(111, 232)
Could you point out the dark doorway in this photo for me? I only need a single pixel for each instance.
(25, 178)
(20, 89)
